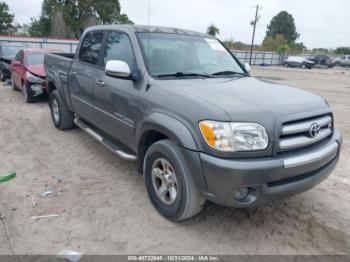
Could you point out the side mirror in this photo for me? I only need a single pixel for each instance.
(117, 68)
(247, 67)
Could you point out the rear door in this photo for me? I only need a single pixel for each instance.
(115, 99)
(84, 72)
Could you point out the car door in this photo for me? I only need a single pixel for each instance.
(17, 69)
(115, 99)
(84, 72)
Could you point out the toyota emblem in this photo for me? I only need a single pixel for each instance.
(314, 130)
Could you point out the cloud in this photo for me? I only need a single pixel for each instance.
(321, 23)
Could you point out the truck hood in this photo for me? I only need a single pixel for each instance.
(246, 99)
(37, 70)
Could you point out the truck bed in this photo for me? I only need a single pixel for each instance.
(57, 66)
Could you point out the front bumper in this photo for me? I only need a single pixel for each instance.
(36, 89)
(269, 178)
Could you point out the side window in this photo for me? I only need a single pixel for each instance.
(19, 56)
(118, 47)
(91, 46)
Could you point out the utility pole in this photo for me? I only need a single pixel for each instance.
(253, 23)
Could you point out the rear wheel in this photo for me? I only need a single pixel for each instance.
(62, 117)
(169, 182)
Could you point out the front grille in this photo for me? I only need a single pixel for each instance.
(297, 178)
(298, 134)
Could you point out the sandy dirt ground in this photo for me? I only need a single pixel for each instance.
(102, 209)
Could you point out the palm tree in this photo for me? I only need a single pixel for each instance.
(213, 30)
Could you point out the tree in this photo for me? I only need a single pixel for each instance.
(230, 44)
(272, 43)
(283, 24)
(213, 30)
(39, 27)
(299, 47)
(6, 18)
(284, 49)
(69, 18)
(342, 51)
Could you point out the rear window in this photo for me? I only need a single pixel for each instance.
(91, 47)
(35, 58)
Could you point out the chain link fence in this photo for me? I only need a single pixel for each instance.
(259, 57)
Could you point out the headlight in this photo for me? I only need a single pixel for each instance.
(234, 137)
(34, 79)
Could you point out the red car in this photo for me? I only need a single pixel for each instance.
(28, 73)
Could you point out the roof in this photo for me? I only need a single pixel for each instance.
(169, 30)
(151, 29)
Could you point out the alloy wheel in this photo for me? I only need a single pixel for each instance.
(55, 111)
(164, 181)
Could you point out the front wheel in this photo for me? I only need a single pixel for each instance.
(2, 76)
(169, 182)
(28, 94)
(13, 85)
(62, 117)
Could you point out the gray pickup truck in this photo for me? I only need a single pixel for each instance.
(198, 125)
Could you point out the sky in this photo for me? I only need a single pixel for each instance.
(321, 23)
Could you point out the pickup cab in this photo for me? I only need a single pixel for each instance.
(199, 127)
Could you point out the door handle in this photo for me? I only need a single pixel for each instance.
(73, 72)
(100, 82)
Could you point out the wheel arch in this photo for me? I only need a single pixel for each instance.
(159, 126)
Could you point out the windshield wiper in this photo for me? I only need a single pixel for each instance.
(227, 72)
(184, 74)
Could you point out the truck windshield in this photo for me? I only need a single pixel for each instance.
(174, 55)
(36, 58)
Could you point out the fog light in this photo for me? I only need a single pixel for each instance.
(240, 193)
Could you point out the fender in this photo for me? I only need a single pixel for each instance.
(53, 77)
(180, 135)
(169, 126)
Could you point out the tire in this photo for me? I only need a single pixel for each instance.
(188, 201)
(2, 76)
(28, 94)
(13, 85)
(61, 116)
(286, 65)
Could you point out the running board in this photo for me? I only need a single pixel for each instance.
(104, 141)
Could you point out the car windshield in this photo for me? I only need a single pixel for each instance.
(187, 56)
(10, 51)
(36, 58)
